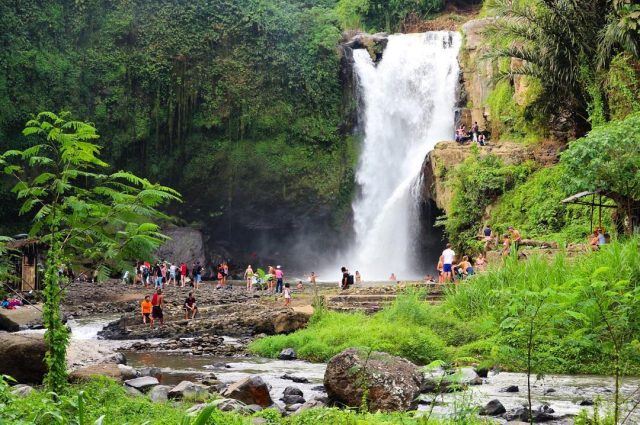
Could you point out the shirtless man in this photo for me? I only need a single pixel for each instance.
(515, 238)
(157, 302)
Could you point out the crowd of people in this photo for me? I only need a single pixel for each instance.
(462, 134)
(163, 273)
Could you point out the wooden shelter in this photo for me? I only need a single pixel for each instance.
(582, 198)
(26, 254)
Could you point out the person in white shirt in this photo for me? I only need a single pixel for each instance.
(448, 256)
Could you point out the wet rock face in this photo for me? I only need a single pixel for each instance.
(22, 357)
(250, 390)
(186, 244)
(373, 43)
(492, 408)
(393, 383)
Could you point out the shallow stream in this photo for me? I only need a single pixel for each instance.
(562, 392)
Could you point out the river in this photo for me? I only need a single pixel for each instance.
(562, 392)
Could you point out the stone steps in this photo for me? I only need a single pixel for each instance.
(371, 303)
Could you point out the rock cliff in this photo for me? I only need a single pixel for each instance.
(447, 155)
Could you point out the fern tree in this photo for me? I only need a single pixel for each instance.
(80, 213)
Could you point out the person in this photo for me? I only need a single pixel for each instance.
(506, 245)
(475, 129)
(172, 274)
(146, 274)
(279, 279)
(219, 276)
(312, 278)
(466, 267)
(163, 272)
(516, 239)
(448, 257)
(594, 240)
(225, 273)
(125, 277)
(488, 237)
(190, 306)
(138, 271)
(344, 283)
(272, 278)
(481, 263)
(287, 295)
(393, 277)
(146, 307)
(299, 286)
(602, 240)
(197, 275)
(183, 274)
(157, 273)
(440, 270)
(429, 279)
(482, 140)
(157, 302)
(358, 278)
(248, 276)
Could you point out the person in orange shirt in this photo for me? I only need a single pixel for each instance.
(146, 310)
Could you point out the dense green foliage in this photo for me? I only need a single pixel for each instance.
(475, 184)
(237, 104)
(568, 47)
(483, 319)
(79, 214)
(409, 328)
(535, 208)
(608, 159)
(105, 398)
(384, 15)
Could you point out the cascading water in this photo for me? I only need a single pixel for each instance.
(409, 100)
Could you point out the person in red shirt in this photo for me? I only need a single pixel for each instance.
(183, 274)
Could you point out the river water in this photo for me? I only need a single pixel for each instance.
(174, 367)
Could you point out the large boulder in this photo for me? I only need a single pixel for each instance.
(144, 383)
(393, 383)
(159, 393)
(188, 389)
(22, 357)
(250, 390)
(110, 370)
(6, 324)
(186, 244)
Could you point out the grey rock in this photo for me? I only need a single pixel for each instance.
(132, 391)
(144, 383)
(259, 421)
(493, 408)
(127, 372)
(393, 382)
(293, 391)
(250, 390)
(288, 354)
(150, 371)
(22, 390)
(254, 408)
(159, 393)
(293, 407)
(314, 403)
(586, 402)
(296, 379)
(510, 389)
(549, 391)
(7, 324)
(187, 389)
(293, 399)
(230, 405)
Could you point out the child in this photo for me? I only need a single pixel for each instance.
(146, 310)
(287, 295)
(300, 286)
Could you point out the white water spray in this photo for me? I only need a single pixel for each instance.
(409, 100)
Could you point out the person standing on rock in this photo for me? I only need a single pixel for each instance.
(344, 283)
(172, 274)
(190, 307)
(184, 272)
(516, 238)
(163, 272)
(197, 275)
(448, 258)
(248, 275)
(279, 279)
(146, 308)
(272, 278)
(157, 274)
(157, 303)
(287, 295)
(225, 273)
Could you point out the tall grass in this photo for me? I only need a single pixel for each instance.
(471, 323)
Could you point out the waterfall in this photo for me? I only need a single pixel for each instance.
(409, 99)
